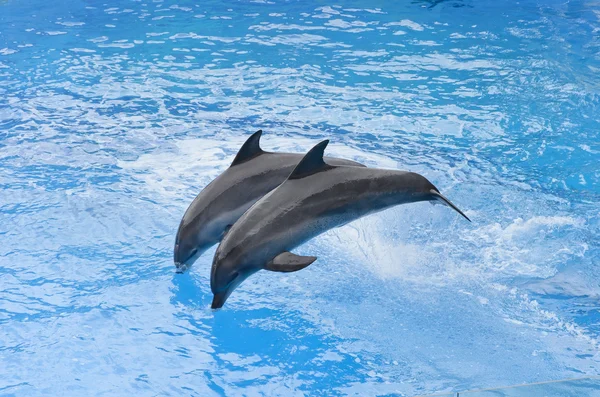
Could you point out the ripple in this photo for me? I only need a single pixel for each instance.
(110, 128)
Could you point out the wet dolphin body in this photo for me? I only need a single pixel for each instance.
(316, 197)
(252, 174)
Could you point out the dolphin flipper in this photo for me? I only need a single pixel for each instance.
(288, 262)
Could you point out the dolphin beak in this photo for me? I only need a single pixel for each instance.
(182, 263)
(438, 196)
(181, 267)
(219, 299)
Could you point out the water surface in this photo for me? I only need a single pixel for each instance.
(114, 115)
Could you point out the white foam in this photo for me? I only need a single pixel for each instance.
(407, 23)
(495, 252)
(70, 24)
(7, 51)
(195, 162)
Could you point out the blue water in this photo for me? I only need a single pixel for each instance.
(114, 115)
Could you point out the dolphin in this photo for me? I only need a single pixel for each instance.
(252, 174)
(316, 197)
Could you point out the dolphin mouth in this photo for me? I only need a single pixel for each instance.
(181, 268)
(219, 299)
(184, 265)
(438, 196)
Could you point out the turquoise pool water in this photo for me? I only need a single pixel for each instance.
(114, 115)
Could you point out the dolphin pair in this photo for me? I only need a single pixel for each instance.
(318, 195)
(252, 174)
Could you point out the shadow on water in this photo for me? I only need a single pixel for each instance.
(188, 292)
(264, 338)
(285, 342)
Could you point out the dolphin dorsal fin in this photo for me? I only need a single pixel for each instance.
(249, 150)
(312, 162)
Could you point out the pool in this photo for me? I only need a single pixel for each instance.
(114, 115)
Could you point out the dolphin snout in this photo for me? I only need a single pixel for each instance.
(181, 267)
(184, 257)
(219, 300)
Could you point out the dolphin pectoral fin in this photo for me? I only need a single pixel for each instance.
(288, 262)
(449, 203)
(249, 150)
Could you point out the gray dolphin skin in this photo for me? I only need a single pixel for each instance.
(252, 174)
(316, 197)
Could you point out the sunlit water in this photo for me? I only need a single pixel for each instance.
(114, 115)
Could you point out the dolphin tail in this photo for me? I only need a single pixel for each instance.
(438, 196)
